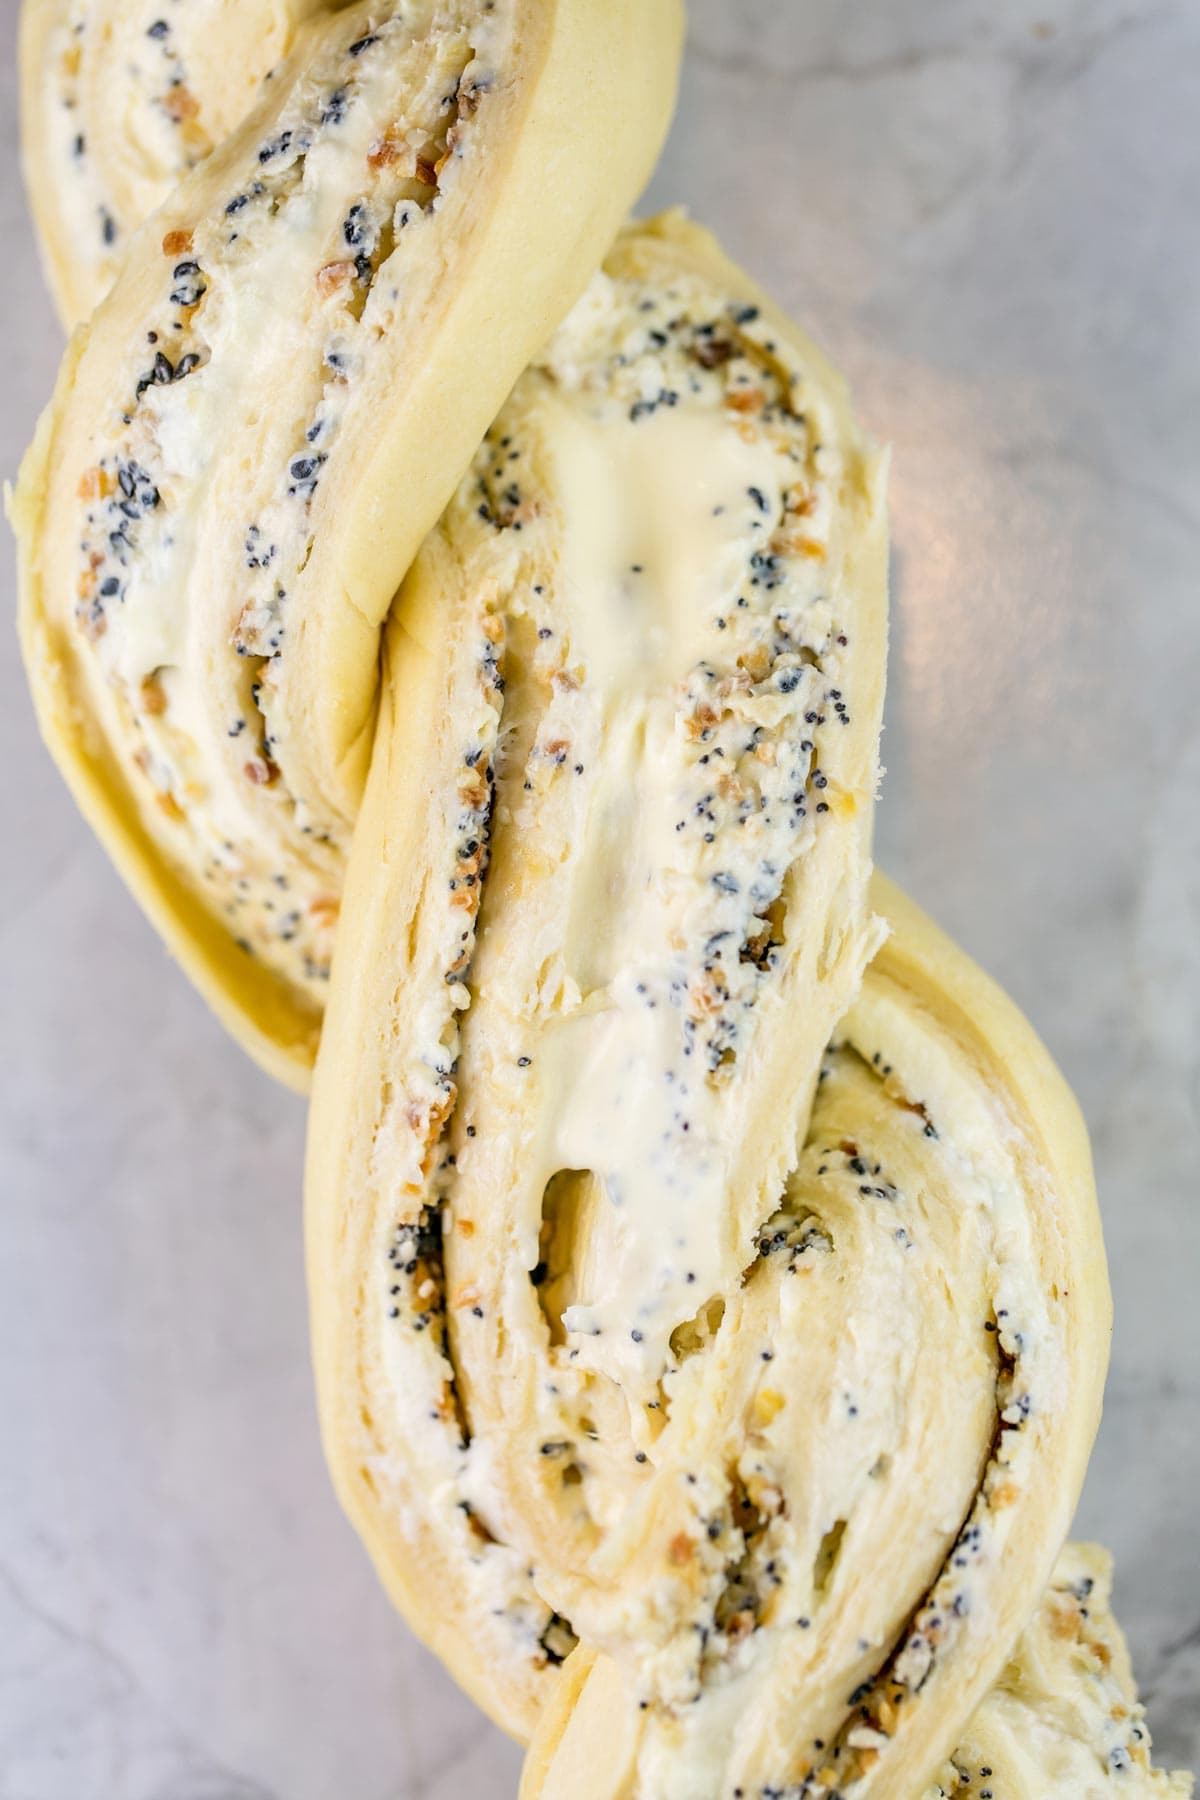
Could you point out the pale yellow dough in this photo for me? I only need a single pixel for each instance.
(119, 98)
(249, 440)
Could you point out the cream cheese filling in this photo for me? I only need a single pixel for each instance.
(805, 1442)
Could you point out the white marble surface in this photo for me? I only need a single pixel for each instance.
(991, 216)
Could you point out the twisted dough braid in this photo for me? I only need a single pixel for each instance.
(1062, 1719)
(709, 1308)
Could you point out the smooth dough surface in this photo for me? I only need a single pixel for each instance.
(297, 360)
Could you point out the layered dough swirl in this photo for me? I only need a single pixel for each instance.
(249, 441)
(119, 99)
(709, 1308)
(690, 1306)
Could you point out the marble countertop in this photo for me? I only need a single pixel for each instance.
(990, 215)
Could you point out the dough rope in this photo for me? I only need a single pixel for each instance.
(709, 1307)
(374, 255)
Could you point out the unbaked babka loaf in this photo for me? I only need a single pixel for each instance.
(299, 356)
